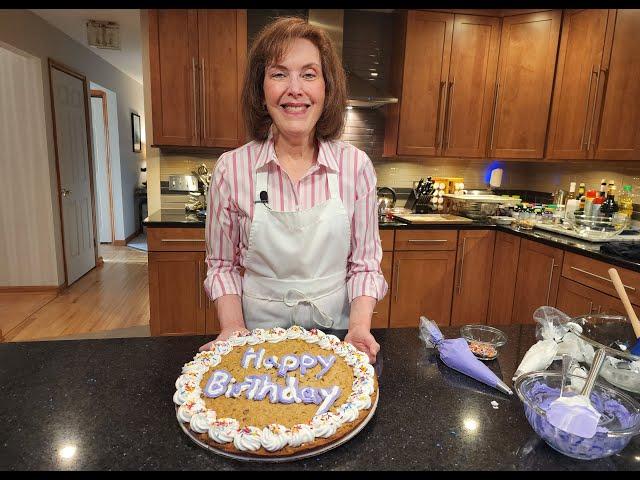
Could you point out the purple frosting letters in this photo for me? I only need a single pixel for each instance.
(288, 363)
(326, 364)
(307, 362)
(217, 383)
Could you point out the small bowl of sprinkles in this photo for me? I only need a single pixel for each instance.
(484, 341)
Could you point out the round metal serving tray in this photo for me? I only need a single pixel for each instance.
(300, 456)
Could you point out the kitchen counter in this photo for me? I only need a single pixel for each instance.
(177, 218)
(112, 399)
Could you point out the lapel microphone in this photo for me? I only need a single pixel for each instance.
(264, 197)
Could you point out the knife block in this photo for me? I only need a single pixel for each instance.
(418, 204)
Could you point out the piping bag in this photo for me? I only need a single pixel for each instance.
(455, 354)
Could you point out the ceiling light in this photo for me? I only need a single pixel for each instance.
(67, 452)
(103, 34)
(470, 424)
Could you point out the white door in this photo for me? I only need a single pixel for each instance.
(101, 166)
(73, 161)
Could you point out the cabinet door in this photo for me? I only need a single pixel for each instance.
(575, 299)
(526, 65)
(380, 318)
(422, 285)
(473, 276)
(175, 293)
(426, 64)
(222, 45)
(471, 85)
(503, 278)
(575, 92)
(539, 269)
(619, 128)
(173, 54)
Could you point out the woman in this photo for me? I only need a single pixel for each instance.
(294, 208)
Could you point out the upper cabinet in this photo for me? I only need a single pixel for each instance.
(447, 85)
(582, 48)
(618, 125)
(526, 67)
(197, 60)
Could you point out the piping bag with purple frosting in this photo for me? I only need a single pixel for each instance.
(455, 354)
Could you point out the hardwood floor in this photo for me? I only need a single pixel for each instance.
(114, 296)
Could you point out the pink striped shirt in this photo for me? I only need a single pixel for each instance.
(231, 207)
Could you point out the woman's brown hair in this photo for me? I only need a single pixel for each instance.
(268, 47)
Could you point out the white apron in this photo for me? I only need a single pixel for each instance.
(296, 264)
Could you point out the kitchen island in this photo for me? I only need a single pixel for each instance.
(112, 400)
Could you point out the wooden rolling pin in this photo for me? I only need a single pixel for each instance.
(615, 278)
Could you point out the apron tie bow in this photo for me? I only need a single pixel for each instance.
(290, 301)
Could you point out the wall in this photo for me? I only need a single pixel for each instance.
(28, 32)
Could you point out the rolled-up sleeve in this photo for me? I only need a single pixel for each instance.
(364, 276)
(222, 234)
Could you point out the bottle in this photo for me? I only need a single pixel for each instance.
(581, 190)
(572, 191)
(610, 206)
(603, 188)
(597, 204)
(626, 201)
(588, 203)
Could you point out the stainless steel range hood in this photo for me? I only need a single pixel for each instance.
(361, 93)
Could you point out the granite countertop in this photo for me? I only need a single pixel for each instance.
(112, 399)
(177, 218)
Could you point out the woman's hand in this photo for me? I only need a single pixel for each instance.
(361, 338)
(224, 334)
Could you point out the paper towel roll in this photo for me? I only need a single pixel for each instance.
(496, 177)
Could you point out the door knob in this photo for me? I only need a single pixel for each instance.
(65, 193)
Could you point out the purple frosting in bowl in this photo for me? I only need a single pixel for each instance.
(619, 422)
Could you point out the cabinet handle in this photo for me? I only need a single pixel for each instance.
(375, 311)
(199, 287)
(195, 102)
(601, 278)
(590, 306)
(495, 110)
(425, 241)
(397, 282)
(599, 308)
(553, 265)
(182, 239)
(451, 90)
(584, 145)
(464, 243)
(203, 102)
(593, 110)
(604, 92)
(440, 103)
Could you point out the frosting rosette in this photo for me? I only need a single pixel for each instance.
(248, 439)
(275, 437)
(201, 422)
(325, 425)
(301, 433)
(223, 430)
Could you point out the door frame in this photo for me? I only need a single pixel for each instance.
(105, 117)
(85, 87)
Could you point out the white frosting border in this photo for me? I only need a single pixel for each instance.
(275, 437)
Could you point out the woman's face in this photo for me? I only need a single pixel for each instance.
(294, 89)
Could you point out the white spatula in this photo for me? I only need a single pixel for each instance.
(575, 414)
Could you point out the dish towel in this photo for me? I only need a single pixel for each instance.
(627, 250)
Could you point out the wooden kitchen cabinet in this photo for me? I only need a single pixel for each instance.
(526, 66)
(616, 134)
(175, 293)
(422, 285)
(197, 60)
(473, 276)
(539, 268)
(503, 278)
(448, 82)
(575, 94)
(575, 299)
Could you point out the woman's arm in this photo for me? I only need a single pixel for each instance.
(365, 282)
(223, 283)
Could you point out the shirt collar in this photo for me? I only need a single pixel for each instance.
(267, 154)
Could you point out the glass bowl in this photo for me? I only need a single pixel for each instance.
(484, 341)
(598, 228)
(619, 422)
(615, 334)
